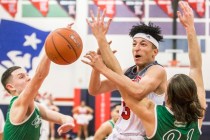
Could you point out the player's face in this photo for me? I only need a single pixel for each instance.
(19, 80)
(115, 113)
(143, 51)
(82, 103)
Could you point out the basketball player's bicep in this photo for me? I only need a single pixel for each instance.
(42, 110)
(103, 131)
(107, 86)
(153, 78)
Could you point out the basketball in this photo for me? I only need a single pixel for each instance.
(63, 46)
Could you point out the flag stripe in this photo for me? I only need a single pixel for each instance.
(54, 11)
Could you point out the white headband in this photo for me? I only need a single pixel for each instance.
(148, 37)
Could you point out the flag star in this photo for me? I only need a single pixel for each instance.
(32, 41)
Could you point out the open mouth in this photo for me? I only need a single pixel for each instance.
(137, 56)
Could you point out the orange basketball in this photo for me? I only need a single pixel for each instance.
(63, 46)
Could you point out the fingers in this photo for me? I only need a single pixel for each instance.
(103, 15)
(92, 15)
(114, 51)
(70, 25)
(98, 14)
(181, 5)
(99, 18)
(86, 62)
(88, 22)
(110, 42)
(109, 22)
(91, 55)
(179, 15)
(60, 132)
(185, 7)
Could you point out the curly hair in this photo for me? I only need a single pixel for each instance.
(150, 29)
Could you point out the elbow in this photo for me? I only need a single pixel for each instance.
(92, 92)
(138, 94)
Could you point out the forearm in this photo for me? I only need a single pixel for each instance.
(94, 83)
(30, 92)
(195, 61)
(194, 49)
(124, 84)
(108, 56)
(56, 117)
(43, 67)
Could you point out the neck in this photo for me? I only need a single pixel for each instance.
(14, 94)
(141, 67)
(168, 105)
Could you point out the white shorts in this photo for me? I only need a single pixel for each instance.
(83, 119)
(117, 136)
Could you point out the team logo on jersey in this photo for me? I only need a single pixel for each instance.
(180, 124)
(37, 121)
(137, 79)
(19, 44)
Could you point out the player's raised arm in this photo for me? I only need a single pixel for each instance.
(187, 20)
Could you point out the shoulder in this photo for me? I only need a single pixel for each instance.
(157, 68)
(157, 71)
(106, 126)
(105, 129)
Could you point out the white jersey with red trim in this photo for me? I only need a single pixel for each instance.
(129, 125)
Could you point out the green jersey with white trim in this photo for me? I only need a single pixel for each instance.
(167, 128)
(29, 129)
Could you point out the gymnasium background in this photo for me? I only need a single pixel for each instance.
(24, 25)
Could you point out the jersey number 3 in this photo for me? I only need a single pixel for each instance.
(126, 112)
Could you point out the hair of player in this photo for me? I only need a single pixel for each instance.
(150, 29)
(6, 75)
(115, 105)
(183, 98)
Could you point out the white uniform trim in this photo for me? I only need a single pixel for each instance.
(156, 122)
(23, 120)
(148, 37)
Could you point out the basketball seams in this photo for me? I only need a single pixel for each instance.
(63, 46)
(58, 51)
(74, 32)
(79, 41)
(68, 43)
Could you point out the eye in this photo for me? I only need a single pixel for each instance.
(143, 44)
(21, 76)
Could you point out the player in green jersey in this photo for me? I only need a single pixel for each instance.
(182, 117)
(106, 128)
(24, 114)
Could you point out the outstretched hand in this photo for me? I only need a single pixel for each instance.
(95, 60)
(186, 17)
(66, 127)
(97, 24)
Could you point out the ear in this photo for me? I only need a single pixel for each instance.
(155, 52)
(10, 87)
